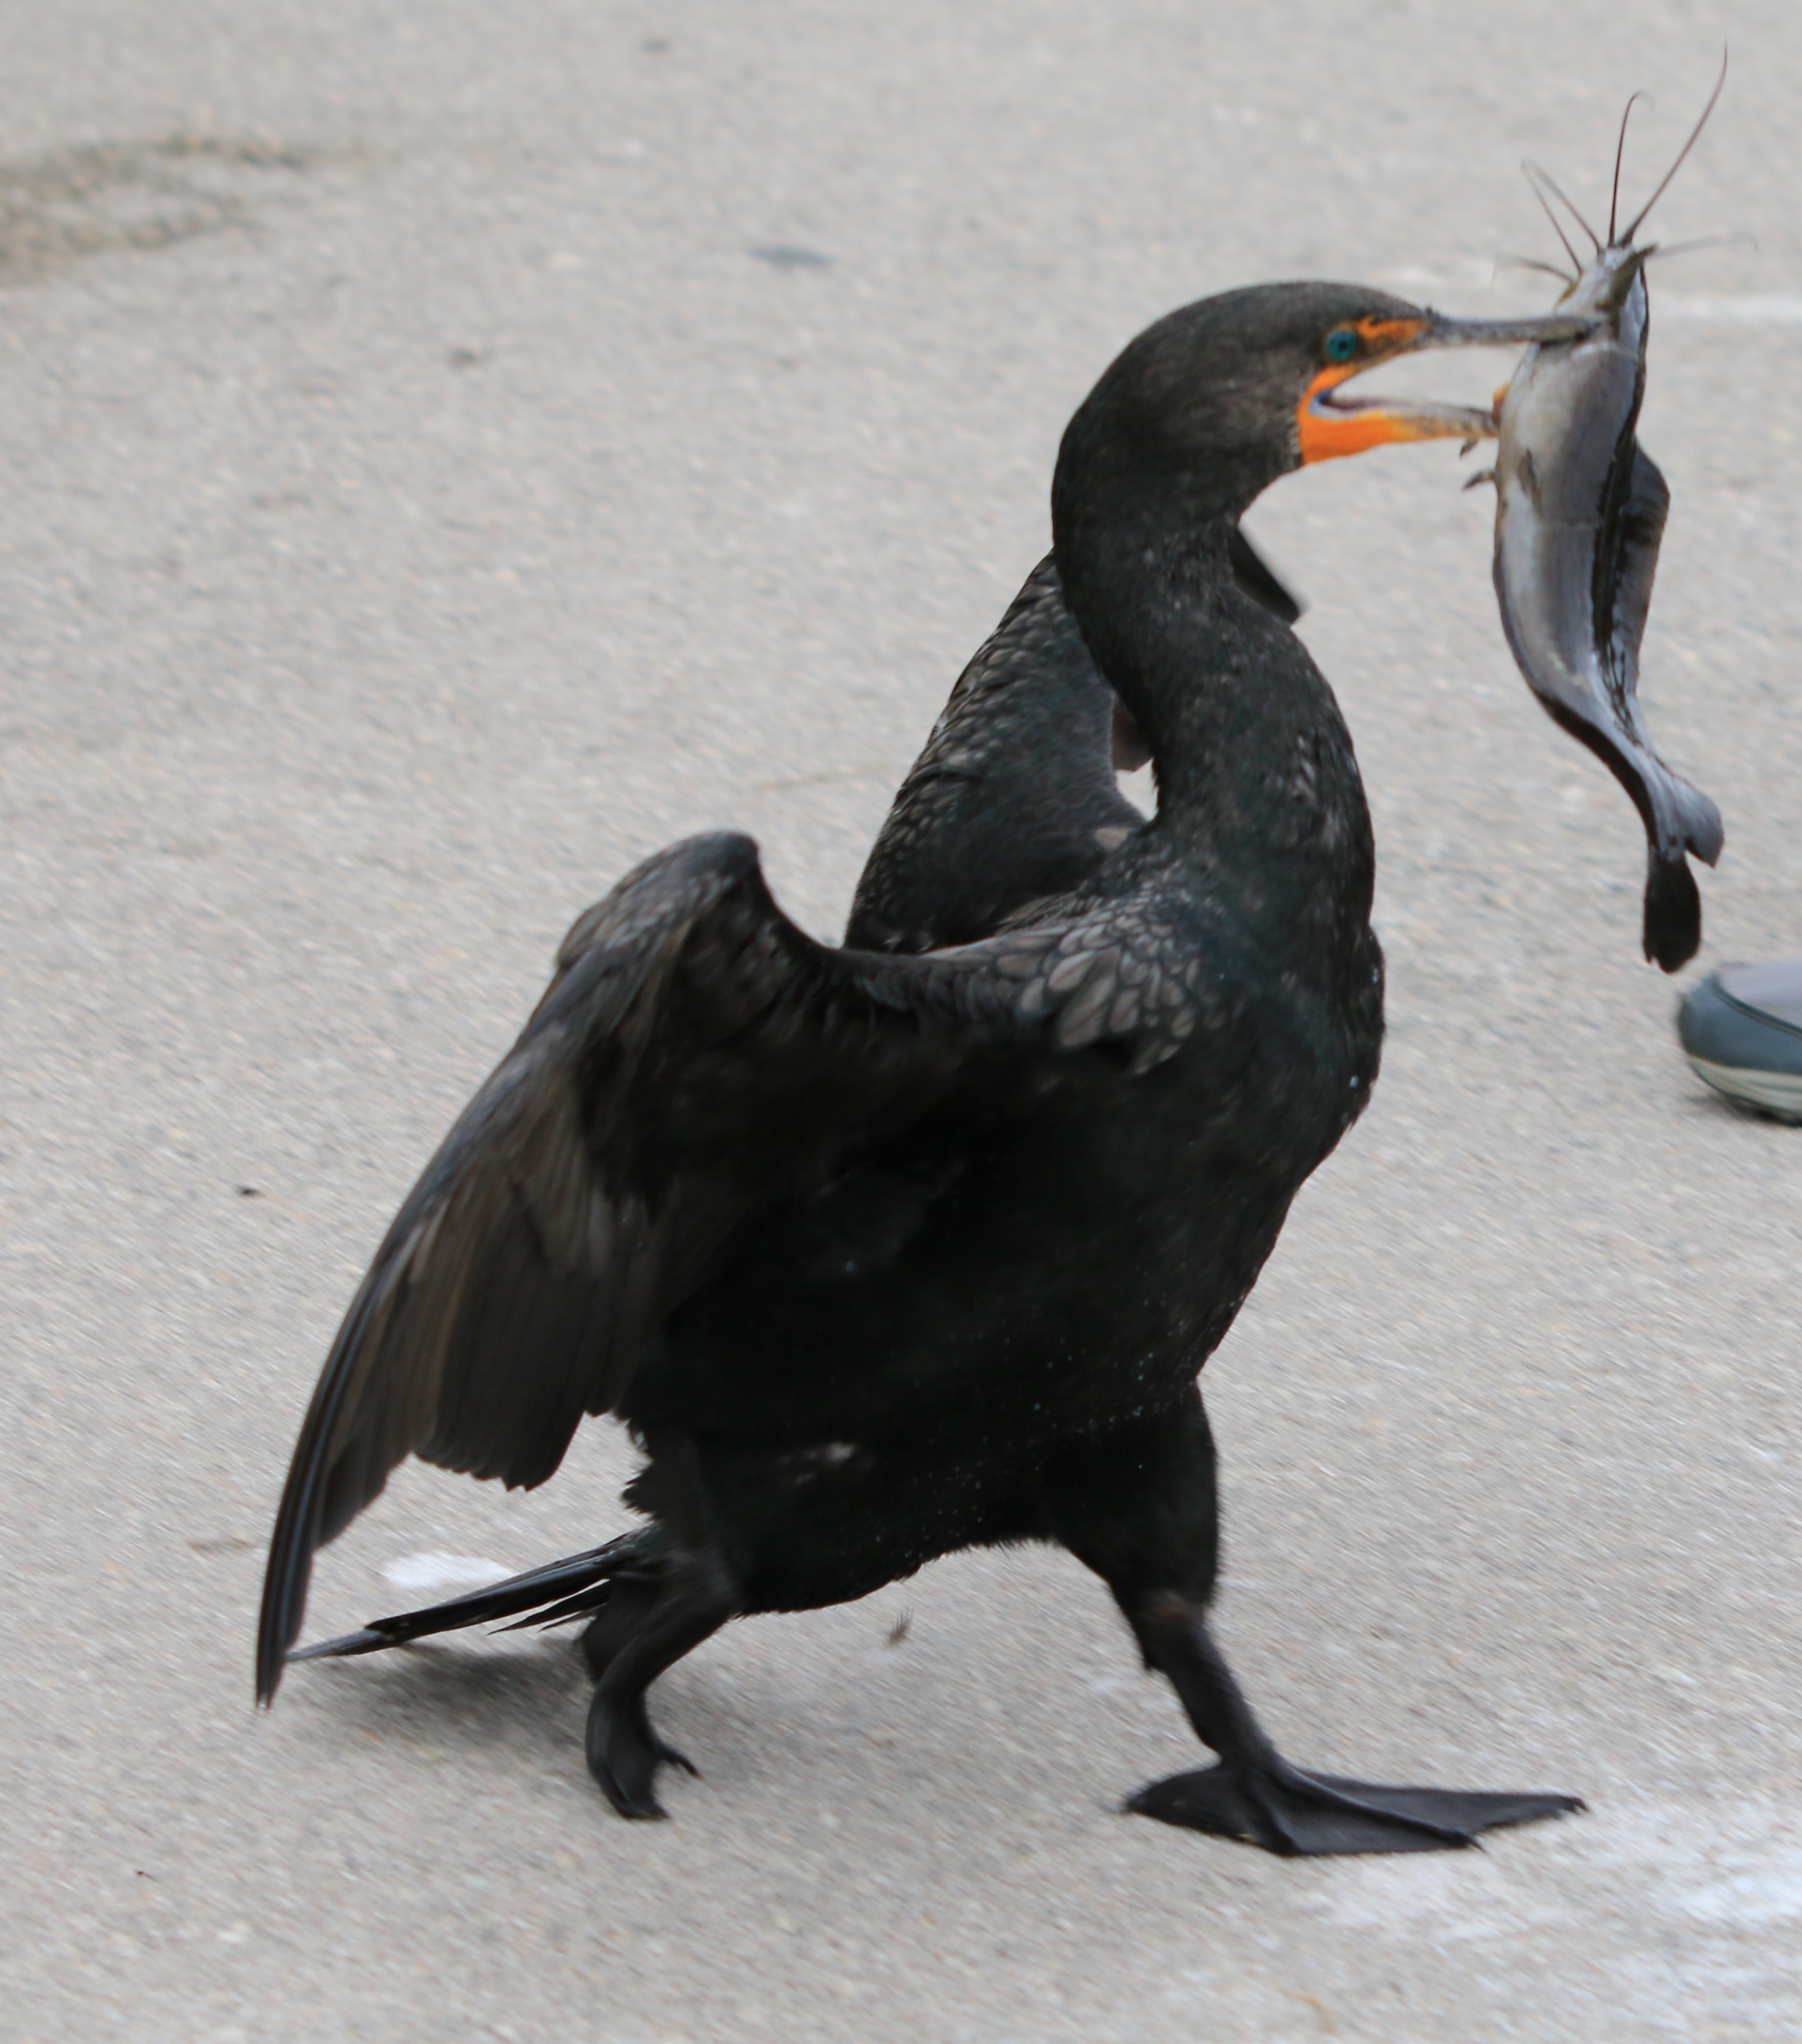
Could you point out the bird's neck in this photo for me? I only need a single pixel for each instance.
(1255, 770)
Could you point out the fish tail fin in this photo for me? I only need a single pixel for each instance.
(1680, 819)
(1673, 928)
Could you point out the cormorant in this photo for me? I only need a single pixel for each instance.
(883, 1253)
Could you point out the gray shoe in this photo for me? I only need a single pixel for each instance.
(1741, 1029)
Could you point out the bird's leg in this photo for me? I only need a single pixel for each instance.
(624, 1615)
(1140, 1509)
(624, 1752)
(656, 1624)
(1254, 1793)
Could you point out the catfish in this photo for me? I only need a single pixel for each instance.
(1580, 514)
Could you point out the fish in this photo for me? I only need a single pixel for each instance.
(1580, 514)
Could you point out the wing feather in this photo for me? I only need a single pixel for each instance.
(695, 1059)
(510, 1293)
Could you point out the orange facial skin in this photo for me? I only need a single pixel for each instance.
(1325, 434)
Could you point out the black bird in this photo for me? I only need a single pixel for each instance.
(883, 1253)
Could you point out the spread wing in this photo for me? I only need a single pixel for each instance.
(695, 1059)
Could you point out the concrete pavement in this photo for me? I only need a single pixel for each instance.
(422, 499)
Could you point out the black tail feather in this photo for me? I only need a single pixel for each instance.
(575, 1585)
(584, 1604)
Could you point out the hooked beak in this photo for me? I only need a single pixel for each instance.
(1438, 330)
(1331, 425)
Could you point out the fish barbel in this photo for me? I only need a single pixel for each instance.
(1580, 511)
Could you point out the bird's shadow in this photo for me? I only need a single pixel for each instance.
(473, 1697)
(469, 1697)
(904, 1733)
(529, 1707)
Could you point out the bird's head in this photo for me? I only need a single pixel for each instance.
(1216, 401)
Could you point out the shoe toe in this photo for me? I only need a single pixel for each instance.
(1742, 1030)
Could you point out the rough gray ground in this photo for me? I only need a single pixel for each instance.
(421, 500)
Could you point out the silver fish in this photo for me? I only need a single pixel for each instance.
(1580, 513)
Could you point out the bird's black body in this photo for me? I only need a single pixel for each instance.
(1014, 798)
(892, 1250)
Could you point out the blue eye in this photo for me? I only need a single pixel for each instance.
(1342, 344)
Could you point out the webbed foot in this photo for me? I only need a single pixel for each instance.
(1298, 1814)
(625, 1754)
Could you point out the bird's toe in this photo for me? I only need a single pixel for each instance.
(1298, 1814)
